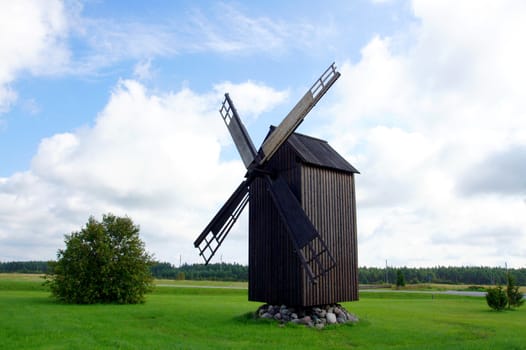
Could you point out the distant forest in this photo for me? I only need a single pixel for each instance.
(367, 275)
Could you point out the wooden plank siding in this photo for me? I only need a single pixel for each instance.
(328, 198)
(273, 265)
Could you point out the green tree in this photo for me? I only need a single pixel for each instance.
(515, 297)
(103, 263)
(400, 279)
(496, 298)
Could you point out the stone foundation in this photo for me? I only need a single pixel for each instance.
(315, 316)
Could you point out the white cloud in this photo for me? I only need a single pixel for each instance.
(250, 98)
(418, 120)
(152, 157)
(31, 38)
(246, 34)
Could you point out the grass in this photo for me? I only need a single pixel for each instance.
(219, 318)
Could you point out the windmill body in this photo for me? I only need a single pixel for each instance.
(323, 182)
(302, 219)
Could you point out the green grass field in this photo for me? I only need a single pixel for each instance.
(217, 318)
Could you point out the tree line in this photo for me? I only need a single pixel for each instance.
(210, 272)
(479, 275)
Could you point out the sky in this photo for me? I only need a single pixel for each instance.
(112, 107)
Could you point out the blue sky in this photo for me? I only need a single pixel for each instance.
(112, 107)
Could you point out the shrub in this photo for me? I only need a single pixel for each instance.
(515, 297)
(496, 298)
(103, 263)
(400, 279)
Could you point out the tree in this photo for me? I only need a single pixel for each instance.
(496, 298)
(514, 296)
(103, 263)
(400, 279)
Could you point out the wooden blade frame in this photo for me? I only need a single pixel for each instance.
(304, 236)
(238, 132)
(214, 234)
(298, 113)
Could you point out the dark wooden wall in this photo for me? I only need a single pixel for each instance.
(273, 268)
(275, 273)
(328, 200)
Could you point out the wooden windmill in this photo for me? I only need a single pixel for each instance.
(302, 215)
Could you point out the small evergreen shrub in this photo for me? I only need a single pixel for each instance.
(496, 298)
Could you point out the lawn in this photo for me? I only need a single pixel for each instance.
(219, 318)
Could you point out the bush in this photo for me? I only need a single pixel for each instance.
(400, 279)
(515, 297)
(103, 263)
(496, 298)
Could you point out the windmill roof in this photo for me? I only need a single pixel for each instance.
(318, 152)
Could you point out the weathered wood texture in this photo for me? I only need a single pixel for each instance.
(327, 196)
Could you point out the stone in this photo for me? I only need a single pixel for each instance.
(331, 318)
(318, 316)
(306, 320)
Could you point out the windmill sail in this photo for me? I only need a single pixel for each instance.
(298, 113)
(213, 235)
(237, 130)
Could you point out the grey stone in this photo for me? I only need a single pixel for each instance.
(277, 316)
(340, 320)
(319, 325)
(331, 318)
(306, 320)
(293, 316)
(266, 315)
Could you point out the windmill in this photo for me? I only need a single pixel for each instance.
(278, 217)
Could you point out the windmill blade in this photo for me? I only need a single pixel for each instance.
(298, 113)
(213, 235)
(238, 132)
(312, 251)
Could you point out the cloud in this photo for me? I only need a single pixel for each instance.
(154, 157)
(429, 121)
(107, 41)
(250, 98)
(247, 35)
(57, 38)
(500, 173)
(32, 35)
